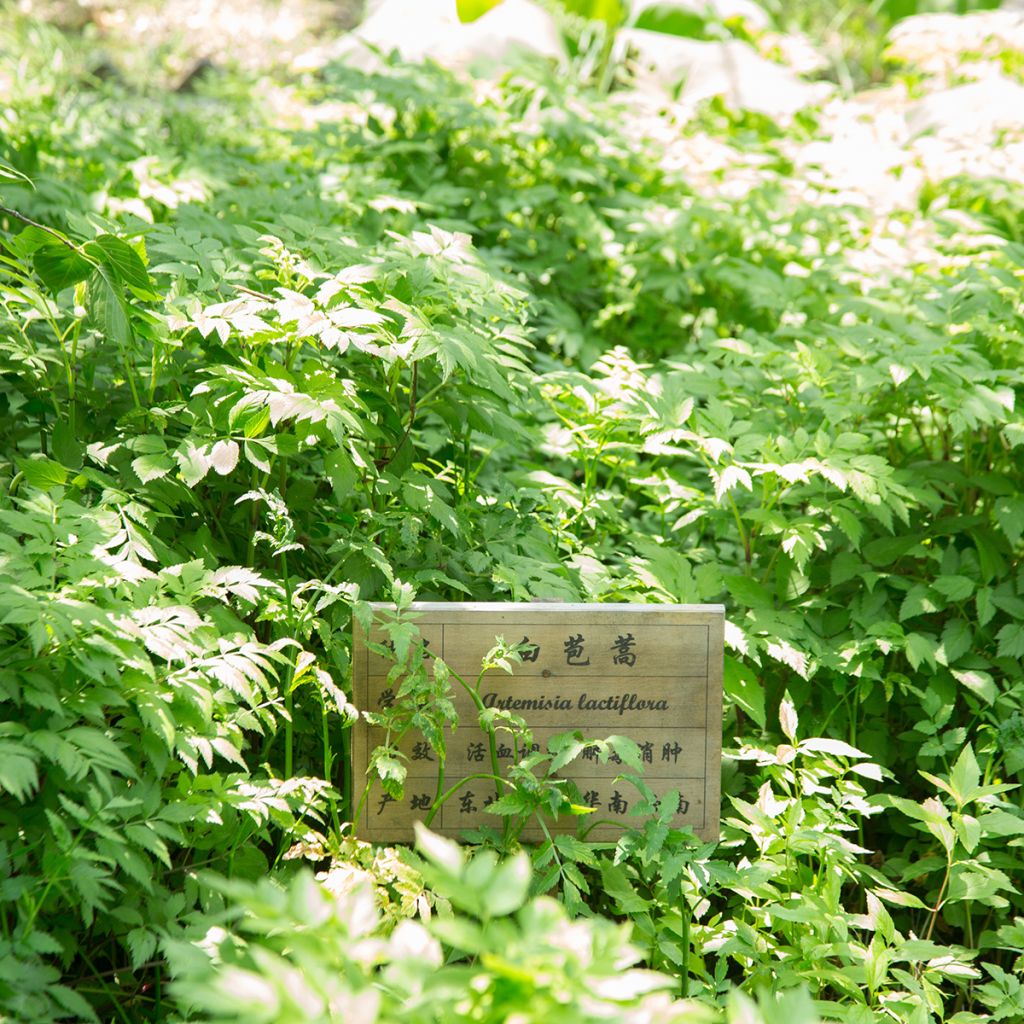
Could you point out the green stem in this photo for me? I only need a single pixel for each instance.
(938, 901)
(684, 974)
(119, 1009)
(42, 227)
(458, 785)
(289, 726)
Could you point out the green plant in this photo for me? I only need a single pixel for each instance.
(297, 953)
(292, 345)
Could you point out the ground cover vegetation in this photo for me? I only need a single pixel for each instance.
(275, 348)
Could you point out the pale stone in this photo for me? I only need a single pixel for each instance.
(973, 111)
(731, 69)
(495, 40)
(936, 42)
(430, 30)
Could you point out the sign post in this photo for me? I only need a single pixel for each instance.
(649, 672)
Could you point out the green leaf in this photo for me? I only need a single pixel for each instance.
(921, 648)
(107, 307)
(968, 829)
(144, 836)
(672, 19)
(152, 467)
(845, 566)
(957, 639)
(1001, 823)
(567, 751)
(618, 887)
(43, 473)
(788, 719)
(510, 885)
(965, 777)
(886, 550)
(18, 773)
(9, 173)
(956, 588)
(470, 10)
(60, 266)
(748, 592)
(743, 689)
(981, 684)
(984, 606)
(122, 260)
(1011, 640)
(612, 12)
(66, 446)
(1010, 516)
(76, 1005)
(917, 602)
(141, 945)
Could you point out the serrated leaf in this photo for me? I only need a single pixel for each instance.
(917, 602)
(744, 690)
(224, 457)
(984, 606)
(107, 307)
(60, 266)
(18, 773)
(193, 463)
(1011, 640)
(616, 884)
(965, 777)
(730, 478)
(1010, 516)
(567, 752)
(981, 684)
(66, 446)
(785, 652)
(144, 836)
(122, 259)
(957, 638)
(75, 1004)
(920, 649)
(43, 473)
(141, 946)
(152, 467)
(968, 829)
(788, 719)
(955, 588)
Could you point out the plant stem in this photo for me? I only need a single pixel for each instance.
(938, 901)
(42, 227)
(458, 785)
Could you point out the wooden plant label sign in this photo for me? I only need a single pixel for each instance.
(652, 673)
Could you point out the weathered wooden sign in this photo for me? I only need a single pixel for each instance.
(649, 672)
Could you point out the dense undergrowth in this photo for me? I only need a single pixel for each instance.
(267, 353)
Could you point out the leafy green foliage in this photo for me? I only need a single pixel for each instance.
(302, 954)
(455, 343)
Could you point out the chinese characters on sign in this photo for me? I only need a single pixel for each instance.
(652, 673)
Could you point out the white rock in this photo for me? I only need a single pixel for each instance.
(970, 112)
(731, 69)
(430, 30)
(936, 42)
(504, 32)
(412, 27)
